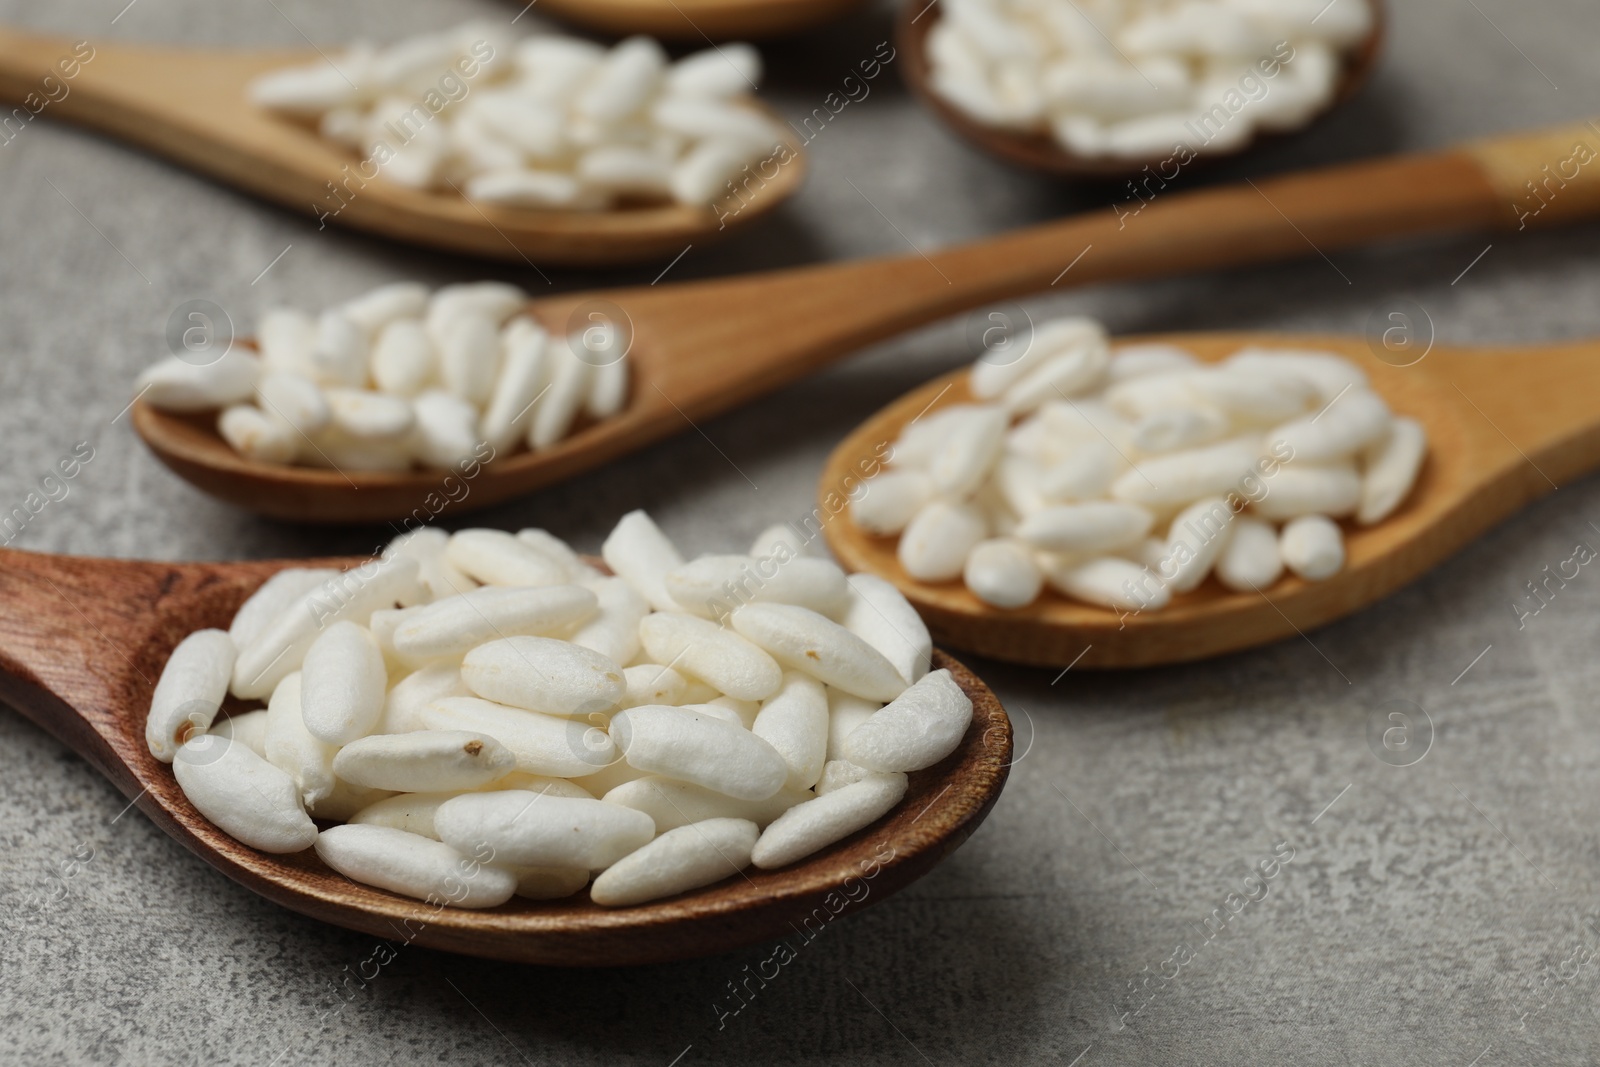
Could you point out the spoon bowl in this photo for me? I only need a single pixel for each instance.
(1040, 151)
(1505, 426)
(84, 641)
(698, 21)
(190, 106)
(702, 348)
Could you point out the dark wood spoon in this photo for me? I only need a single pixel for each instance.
(82, 642)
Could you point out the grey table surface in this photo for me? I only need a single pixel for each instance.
(1438, 913)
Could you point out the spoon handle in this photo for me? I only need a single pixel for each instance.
(728, 339)
(26, 60)
(1490, 183)
(1535, 411)
(147, 95)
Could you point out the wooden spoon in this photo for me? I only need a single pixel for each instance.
(83, 640)
(1505, 426)
(699, 21)
(1040, 151)
(702, 348)
(190, 106)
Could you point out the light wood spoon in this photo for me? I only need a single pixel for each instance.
(702, 348)
(1505, 426)
(83, 640)
(1040, 151)
(190, 106)
(699, 21)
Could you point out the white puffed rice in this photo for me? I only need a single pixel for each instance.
(477, 740)
(548, 123)
(1142, 472)
(1143, 79)
(396, 378)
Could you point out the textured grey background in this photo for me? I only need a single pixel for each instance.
(1415, 919)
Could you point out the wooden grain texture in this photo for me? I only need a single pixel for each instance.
(696, 22)
(189, 105)
(1040, 151)
(1544, 177)
(82, 642)
(1505, 426)
(705, 347)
